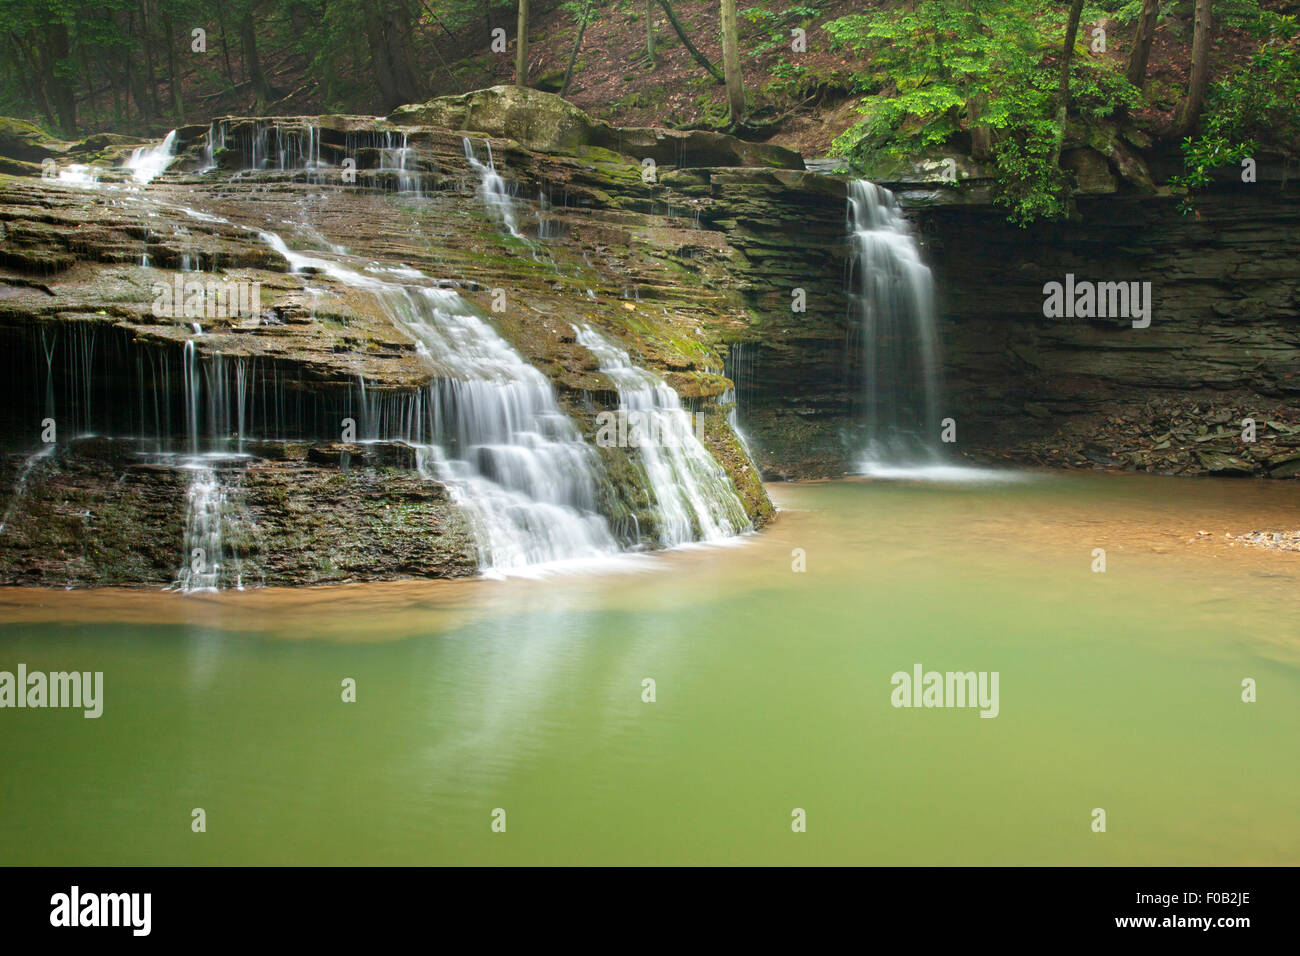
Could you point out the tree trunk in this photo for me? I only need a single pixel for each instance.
(650, 31)
(89, 76)
(135, 84)
(391, 59)
(119, 84)
(253, 65)
(64, 95)
(33, 76)
(1063, 83)
(380, 66)
(134, 79)
(173, 72)
(521, 45)
(225, 46)
(981, 136)
(151, 87)
(1190, 111)
(700, 58)
(573, 56)
(731, 63)
(1137, 59)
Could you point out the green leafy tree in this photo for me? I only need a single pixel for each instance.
(1255, 105)
(982, 72)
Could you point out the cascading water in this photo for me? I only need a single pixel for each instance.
(208, 507)
(519, 464)
(291, 149)
(147, 162)
(891, 298)
(693, 497)
(730, 400)
(74, 174)
(493, 189)
(192, 394)
(490, 429)
(202, 551)
(212, 145)
(215, 512)
(393, 159)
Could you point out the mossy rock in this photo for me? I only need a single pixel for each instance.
(551, 82)
(532, 118)
(1091, 171)
(100, 142)
(547, 123)
(26, 141)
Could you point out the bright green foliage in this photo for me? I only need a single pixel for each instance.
(939, 69)
(1260, 102)
(584, 12)
(777, 26)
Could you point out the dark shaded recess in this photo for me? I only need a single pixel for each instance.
(101, 380)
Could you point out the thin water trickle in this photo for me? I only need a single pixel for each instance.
(492, 188)
(213, 143)
(20, 485)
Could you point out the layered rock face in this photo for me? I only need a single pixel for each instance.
(1218, 363)
(98, 512)
(1222, 346)
(718, 266)
(403, 289)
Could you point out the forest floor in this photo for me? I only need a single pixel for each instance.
(801, 100)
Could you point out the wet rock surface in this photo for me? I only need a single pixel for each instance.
(1271, 540)
(693, 265)
(100, 512)
(82, 268)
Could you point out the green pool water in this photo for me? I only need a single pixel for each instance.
(1119, 690)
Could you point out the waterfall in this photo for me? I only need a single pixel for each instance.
(693, 497)
(488, 427)
(493, 189)
(186, 399)
(209, 509)
(299, 149)
(192, 395)
(393, 159)
(517, 464)
(74, 174)
(201, 555)
(547, 226)
(213, 144)
(147, 162)
(891, 302)
(286, 150)
(732, 404)
(215, 513)
(742, 368)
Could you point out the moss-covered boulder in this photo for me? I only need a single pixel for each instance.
(548, 123)
(26, 141)
(531, 118)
